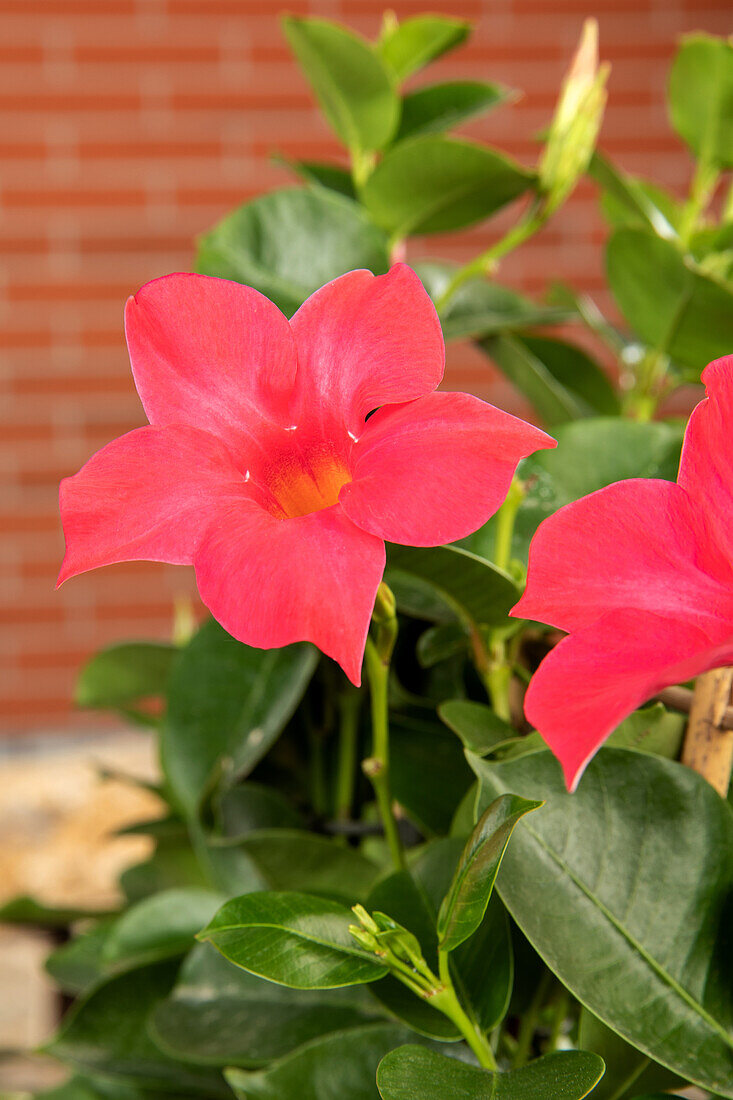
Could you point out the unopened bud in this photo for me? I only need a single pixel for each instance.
(577, 120)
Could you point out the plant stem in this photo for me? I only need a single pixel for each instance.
(703, 185)
(376, 767)
(529, 1021)
(505, 519)
(487, 262)
(349, 707)
(447, 1002)
(708, 745)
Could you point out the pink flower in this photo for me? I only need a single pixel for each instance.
(641, 576)
(260, 467)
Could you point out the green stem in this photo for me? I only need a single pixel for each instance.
(558, 1017)
(529, 1021)
(447, 1002)
(505, 519)
(349, 707)
(376, 768)
(703, 185)
(487, 262)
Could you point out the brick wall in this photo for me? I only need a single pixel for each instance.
(129, 126)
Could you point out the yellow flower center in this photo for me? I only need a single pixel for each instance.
(301, 484)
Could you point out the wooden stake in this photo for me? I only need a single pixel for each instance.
(708, 746)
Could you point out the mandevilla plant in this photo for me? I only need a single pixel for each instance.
(449, 918)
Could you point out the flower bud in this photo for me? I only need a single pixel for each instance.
(577, 120)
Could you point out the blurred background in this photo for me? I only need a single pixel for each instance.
(127, 127)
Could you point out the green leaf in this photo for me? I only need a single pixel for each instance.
(218, 1014)
(482, 967)
(228, 703)
(106, 1033)
(160, 927)
(438, 643)
(446, 583)
(172, 865)
(124, 674)
(291, 859)
(465, 903)
(96, 1088)
(481, 308)
(652, 729)
(289, 243)
(250, 806)
(409, 46)
(630, 201)
(435, 184)
(352, 85)
(412, 1072)
(477, 725)
(332, 177)
(668, 300)
(440, 107)
(424, 748)
(77, 965)
(634, 872)
(590, 454)
(400, 897)
(560, 380)
(299, 940)
(26, 910)
(627, 1069)
(701, 97)
(338, 1067)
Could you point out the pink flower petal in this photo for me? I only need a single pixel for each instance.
(270, 582)
(210, 353)
(365, 341)
(596, 677)
(148, 495)
(433, 470)
(636, 543)
(706, 468)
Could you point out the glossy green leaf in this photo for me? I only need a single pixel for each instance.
(352, 84)
(446, 583)
(434, 184)
(440, 107)
(477, 725)
(218, 1014)
(409, 46)
(124, 674)
(635, 873)
(413, 1073)
(289, 243)
(481, 308)
(590, 454)
(107, 1033)
(419, 747)
(250, 806)
(160, 927)
(651, 729)
(323, 174)
(628, 1071)
(560, 380)
(668, 300)
(701, 97)
(632, 201)
(338, 1067)
(228, 703)
(299, 940)
(482, 967)
(290, 859)
(464, 905)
